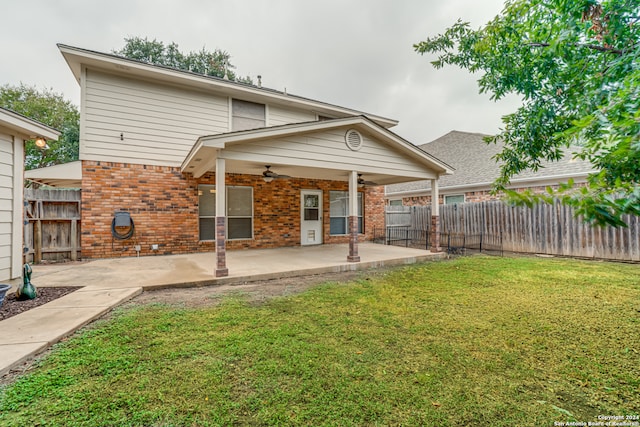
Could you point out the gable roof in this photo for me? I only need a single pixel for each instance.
(76, 58)
(27, 127)
(476, 168)
(202, 156)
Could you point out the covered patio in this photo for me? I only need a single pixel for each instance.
(355, 150)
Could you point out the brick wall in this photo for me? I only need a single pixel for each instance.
(163, 203)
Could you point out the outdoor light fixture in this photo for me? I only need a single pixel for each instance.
(41, 142)
(267, 178)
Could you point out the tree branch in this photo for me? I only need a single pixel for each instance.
(588, 46)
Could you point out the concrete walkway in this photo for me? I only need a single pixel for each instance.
(107, 283)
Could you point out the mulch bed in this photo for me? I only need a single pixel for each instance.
(11, 306)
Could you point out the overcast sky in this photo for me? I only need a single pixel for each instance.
(354, 53)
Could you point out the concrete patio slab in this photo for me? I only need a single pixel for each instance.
(244, 265)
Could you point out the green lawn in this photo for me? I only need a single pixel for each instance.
(473, 341)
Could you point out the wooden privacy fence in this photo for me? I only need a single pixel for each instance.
(52, 225)
(544, 229)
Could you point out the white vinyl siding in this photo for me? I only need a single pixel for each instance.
(327, 149)
(133, 121)
(6, 204)
(282, 116)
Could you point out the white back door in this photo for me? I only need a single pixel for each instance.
(311, 217)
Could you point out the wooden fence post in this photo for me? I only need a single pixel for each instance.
(37, 241)
(74, 240)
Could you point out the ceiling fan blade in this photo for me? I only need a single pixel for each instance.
(362, 181)
(268, 173)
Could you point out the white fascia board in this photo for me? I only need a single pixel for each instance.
(199, 159)
(26, 127)
(77, 57)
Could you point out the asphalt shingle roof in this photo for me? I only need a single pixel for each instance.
(474, 164)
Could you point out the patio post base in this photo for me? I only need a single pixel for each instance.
(353, 258)
(222, 272)
(435, 234)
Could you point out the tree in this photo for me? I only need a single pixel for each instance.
(51, 109)
(216, 63)
(575, 65)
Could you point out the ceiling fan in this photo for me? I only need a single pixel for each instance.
(362, 182)
(268, 175)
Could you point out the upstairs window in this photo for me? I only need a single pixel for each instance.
(247, 115)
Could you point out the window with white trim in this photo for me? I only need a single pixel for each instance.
(451, 200)
(247, 115)
(207, 211)
(339, 213)
(239, 213)
(395, 202)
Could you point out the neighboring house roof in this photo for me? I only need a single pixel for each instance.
(27, 127)
(77, 57)
(476, 168)
(377, 165)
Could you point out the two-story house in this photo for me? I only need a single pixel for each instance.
(202, 163)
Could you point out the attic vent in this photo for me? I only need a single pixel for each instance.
(353, 139)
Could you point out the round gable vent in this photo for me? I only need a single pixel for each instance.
(353, 139)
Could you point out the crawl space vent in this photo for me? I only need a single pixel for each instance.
(353, 139)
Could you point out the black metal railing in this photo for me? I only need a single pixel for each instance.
(452, 243)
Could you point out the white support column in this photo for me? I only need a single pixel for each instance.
(221, 214)
(353, 217)
(435, 217)
(435, 198)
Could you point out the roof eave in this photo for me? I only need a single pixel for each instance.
(26, 126)
(66, 175)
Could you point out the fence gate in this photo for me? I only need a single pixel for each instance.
(51, 225)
